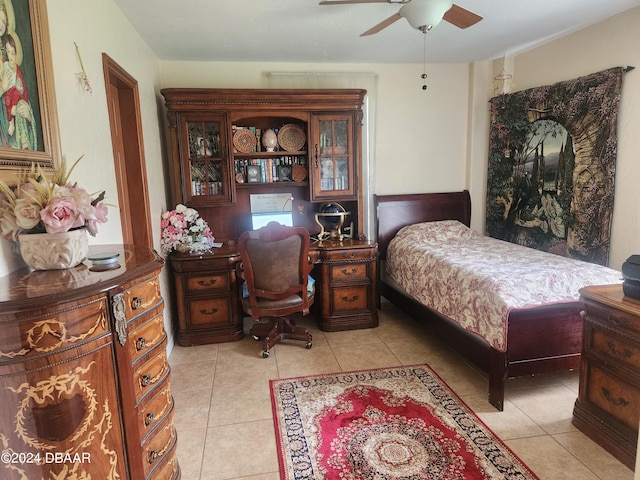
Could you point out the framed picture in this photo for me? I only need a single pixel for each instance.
(28, 117)
(253, 173)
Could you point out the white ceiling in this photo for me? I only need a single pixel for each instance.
(303, 31)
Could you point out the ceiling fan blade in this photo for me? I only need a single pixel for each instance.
(461, 17)
(346, 2)
(384, 24)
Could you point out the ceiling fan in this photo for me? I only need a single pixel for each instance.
(422, 15)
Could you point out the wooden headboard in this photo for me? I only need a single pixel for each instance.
(396, 211)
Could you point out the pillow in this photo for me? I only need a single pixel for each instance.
(439, 231)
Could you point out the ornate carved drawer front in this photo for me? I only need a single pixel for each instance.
(153, 412)
(350, 255)
(219, 281)
(349, 299)
(210, 311)
(350, 271)
(141, 298)
(159, 445)
(147, 336)
(54, 330)
(612, 319)
(150, 374)
(620, 399)
(616, 348)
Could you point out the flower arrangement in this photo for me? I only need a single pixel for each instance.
(184, 229)
(48, 202)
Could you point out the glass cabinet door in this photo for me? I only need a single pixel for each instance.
(334, 157)
(207, 171)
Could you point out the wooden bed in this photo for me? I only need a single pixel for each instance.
(541, 339)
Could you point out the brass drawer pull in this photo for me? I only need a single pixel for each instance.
(136, 302)
(210, 283)
(153, 455)
(149, 418)
(141, 343)
(145, 380)
(624, 353)
(352, 299)
(348, 254)
(618, 402)
(348, 273)
(213, 311)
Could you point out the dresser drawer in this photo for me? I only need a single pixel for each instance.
(146, 337)
(616, 348)
(166, 468)
(53, 329)
(349, 271)
(350, 299)
(216, 281)
(210, 311)
(141, 298)
(153, 411)
(614, 396)
(160, 445)
(150, 374)
(612, 319)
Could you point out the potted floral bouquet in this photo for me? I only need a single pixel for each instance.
(45, 206)
(184, 230)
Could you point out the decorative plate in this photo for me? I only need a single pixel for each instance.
(291, 137)
(298, 173)
(244, 140)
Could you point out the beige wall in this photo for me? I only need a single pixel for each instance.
(607, 44)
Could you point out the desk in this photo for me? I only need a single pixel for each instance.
(207, 290)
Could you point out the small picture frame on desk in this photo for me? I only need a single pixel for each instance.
(253, 174)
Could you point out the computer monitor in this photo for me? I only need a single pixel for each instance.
(259, 220)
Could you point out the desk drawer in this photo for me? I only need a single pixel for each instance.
(214, 281)
(614, 396)
(350, 299)
(344, 256)
(210, 311)
(349, 271)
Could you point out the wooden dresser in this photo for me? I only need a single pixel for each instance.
(608, 406)
(84, 378)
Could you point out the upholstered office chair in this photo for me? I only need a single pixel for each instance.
(275, 266)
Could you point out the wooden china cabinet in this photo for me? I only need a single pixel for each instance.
(219, 164)
(84, 377)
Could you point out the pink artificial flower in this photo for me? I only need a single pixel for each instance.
(98, 215)
(61, 215)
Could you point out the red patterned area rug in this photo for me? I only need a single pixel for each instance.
(384, 424)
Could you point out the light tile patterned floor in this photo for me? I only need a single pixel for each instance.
(223, 410)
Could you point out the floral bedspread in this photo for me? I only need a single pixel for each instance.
(476, 280)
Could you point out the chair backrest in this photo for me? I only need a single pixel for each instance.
(275, 261)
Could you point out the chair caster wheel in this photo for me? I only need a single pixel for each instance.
(256, 338)
(308, 345)
(265, 354)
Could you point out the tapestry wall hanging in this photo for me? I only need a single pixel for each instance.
(552, 158)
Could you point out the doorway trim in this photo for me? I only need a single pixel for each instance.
(128, 153)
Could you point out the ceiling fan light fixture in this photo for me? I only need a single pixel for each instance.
(425, 14)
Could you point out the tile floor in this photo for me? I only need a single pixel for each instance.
(223, 410)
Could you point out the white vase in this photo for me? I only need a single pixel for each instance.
(54, 251)
(269, 140)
